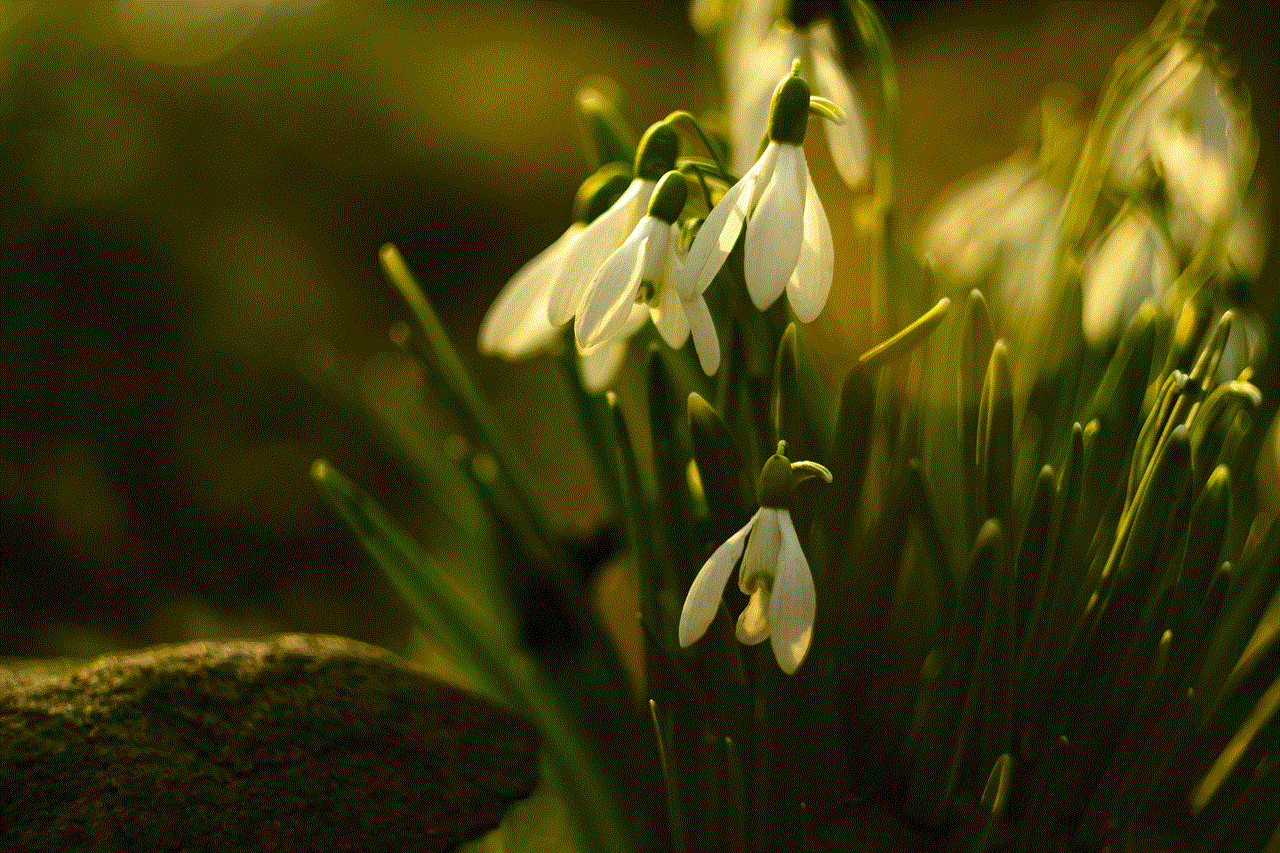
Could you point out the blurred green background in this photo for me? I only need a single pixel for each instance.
(192, 197)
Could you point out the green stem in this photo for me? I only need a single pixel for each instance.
(692, 120)
(689, 166)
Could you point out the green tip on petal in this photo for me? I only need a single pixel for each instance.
(657, 152)
(614, 141)
(789, 112)
(775, 480)
(669, 197)
(599, 191)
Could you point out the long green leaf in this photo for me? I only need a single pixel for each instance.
(484, 654)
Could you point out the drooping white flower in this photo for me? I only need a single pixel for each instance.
(774, 574)
(583, 257)
(751, 82)
(1008, 221)
(1184, 122)
(516, 325)
(1131, 264)
(641, 279)
(788, 238)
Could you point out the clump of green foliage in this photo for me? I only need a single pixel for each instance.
(1042, 575)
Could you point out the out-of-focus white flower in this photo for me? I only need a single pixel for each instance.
(1008, 221)
(640, 279)
(1246, 247)
(788, 242)
(749, 26)
(774, 574)
(1129, 265)
(583, 257)
(751, 87)
(1184, 121)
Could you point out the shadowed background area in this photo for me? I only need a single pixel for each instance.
(192, 203)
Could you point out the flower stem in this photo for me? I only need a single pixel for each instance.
(692, 120)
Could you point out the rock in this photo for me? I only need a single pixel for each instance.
(294, 744)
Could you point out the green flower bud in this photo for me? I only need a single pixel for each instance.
(669, 197)
(657, 152)
(789, 111)
(598, 192)
(612, 139)
(775, 480)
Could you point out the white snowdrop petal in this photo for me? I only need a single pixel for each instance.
(753, 621)
(761, 555)
(1167, 83)
(703, 600)
(1197, 176)
(1130, 265)
(600, 366)
(1029, 240)
(669, 317)
(752, 23)
(705, 340)
(793, 603)
(612, 294)
(516, 324)
(809, 285)
(657, 258)
(848, 142)
(635, 320)
(584, 257)
(720, 230)
(959, 237)
(775, 234)
(1027, 274)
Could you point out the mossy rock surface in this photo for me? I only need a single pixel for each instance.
(298, 743)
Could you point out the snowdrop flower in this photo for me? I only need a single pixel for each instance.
(788, 242)
(1008, 221)
(774, 573)
(583, 257)
(1184, 121)
(640, 279)
(1129, 265)
(751, 80)
(516, 325)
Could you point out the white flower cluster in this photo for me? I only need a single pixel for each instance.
(1182, 130)
(610, 272)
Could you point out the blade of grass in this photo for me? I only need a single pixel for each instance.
(482, 652)
(480, 420)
